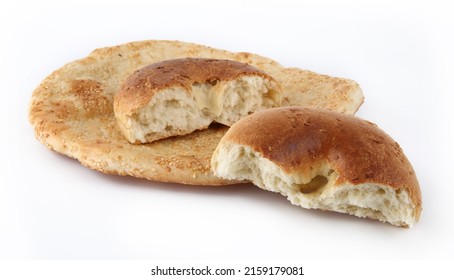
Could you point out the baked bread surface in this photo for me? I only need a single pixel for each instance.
(71, 111)
(322, 159)
(178, 96)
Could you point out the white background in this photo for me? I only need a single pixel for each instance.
(51, 207)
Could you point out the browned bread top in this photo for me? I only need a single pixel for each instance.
(140, 87)
(300, 139)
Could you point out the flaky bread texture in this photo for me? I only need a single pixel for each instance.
(322, 160)
(178, 96)
(71, 111)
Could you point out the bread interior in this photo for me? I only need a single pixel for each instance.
(316, 190)
(177, 111)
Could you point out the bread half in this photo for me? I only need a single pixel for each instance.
(322, 160)
(178, 96)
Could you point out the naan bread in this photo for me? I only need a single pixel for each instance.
(72, 111)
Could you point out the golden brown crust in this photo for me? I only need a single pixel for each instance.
(140, 87)
(298, 139)
(71, 111)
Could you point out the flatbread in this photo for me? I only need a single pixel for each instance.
(72, 111)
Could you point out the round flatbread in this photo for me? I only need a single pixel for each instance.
(72, 111)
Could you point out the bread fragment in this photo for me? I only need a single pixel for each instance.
(324, 160)
(178, 96)
(71, 111)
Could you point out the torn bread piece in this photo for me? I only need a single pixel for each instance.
(178, 96)
(322, 160)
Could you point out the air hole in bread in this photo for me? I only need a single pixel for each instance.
(381, 192)
(315, 184)
(213, 82)
(273, 95)
(171, 103)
